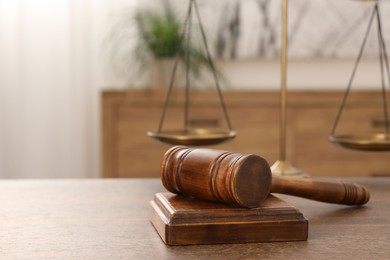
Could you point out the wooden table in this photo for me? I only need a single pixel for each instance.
(109, 219)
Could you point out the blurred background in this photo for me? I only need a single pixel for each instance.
(56, 58)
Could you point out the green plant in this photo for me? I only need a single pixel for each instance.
(136, 41)
(160, 36)
(159, 33)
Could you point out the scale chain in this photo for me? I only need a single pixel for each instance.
(354, 72)
(188, 26)
(172, 80)
(211, 63)
(383, 60)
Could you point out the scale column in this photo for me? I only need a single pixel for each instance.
(282, 166)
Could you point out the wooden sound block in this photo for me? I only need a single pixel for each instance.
(182, 220)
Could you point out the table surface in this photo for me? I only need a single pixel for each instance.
(109, 219)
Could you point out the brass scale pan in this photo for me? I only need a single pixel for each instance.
(193, 136)
(188, 135)
(364, 142)
(375, 141)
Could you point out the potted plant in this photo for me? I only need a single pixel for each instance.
(156, 42)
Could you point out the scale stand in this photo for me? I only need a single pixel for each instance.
(282, 167)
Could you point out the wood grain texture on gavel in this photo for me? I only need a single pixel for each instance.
(244, 179)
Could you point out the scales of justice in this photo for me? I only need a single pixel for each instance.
(209, 136)
(243, 184)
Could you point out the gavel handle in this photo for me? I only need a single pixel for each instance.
(339, 193)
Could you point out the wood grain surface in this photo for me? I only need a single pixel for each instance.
(109, 219)
(128, 115)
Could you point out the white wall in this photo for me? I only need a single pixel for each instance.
(302, 74)
(50, 82)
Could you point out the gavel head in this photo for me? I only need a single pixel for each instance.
(214, 175)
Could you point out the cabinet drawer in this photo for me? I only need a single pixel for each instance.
(129, 152)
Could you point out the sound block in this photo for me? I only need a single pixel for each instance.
(182, 220)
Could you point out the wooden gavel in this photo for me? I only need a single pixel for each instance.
(244, 179)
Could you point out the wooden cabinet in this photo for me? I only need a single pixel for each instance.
(127, 115)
